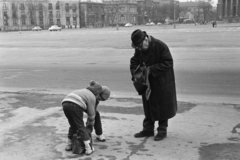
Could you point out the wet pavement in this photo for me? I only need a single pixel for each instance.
(38, 69)
(33, 126)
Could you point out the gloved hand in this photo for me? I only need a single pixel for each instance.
(89, 128)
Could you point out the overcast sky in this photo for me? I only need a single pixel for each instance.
(214, 1)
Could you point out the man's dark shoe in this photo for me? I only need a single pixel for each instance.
(144, 134)
(160, 136)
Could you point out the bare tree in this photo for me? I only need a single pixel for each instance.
(163, 12)
(206, 7)
(15, 16)
(113, 10)
(32, 10)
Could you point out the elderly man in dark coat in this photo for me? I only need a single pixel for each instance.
(159, 99)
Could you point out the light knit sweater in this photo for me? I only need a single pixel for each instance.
(86, 100)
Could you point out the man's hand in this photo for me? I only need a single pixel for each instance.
(89, 128)
(148, 69)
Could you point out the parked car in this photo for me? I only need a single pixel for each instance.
(159, 23)
(55, 28)
(128, 25)
(169, 22)
(152, 24)
(188, 21)
(36, 28)
(147, 24)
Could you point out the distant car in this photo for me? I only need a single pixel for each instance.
(128, 25)
(55, 28)
(36, 28)
(159, 23)
(169, 22)
(152, 24)
(188, 21)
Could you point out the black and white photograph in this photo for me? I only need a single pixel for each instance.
(120, 79)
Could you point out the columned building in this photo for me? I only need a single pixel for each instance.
(228, 10)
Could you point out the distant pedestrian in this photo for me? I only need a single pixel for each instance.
(74, 106)
(215, 25)
(159, 98)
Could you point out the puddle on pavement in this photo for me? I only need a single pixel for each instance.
(220, 151)
(44, 101)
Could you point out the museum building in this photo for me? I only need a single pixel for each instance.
(228, 10)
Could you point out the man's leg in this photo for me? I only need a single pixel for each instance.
(148, 123)
(162, 130)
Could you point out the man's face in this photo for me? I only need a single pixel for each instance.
(144, 45)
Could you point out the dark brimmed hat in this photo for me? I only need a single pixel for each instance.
(137, 37)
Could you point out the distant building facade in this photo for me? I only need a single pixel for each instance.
(228, 10)
(191, 10)
(148, 10)
(25, 14)
(120, 12)
(198, 11)
(91, 13)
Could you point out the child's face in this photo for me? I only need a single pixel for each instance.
(102, 97)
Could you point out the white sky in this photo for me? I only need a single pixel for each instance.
(214, 1)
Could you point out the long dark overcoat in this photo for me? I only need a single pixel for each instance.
(162, 102)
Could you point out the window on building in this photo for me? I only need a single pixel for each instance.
(14, 14)
(23, 13)
(74, 7)
(15, 21)
(89, 8)
(13, 6)
(22, 6)
(40, 6)
(40, 14)
(50, 6)
(41, 21)
(74, 21)
(5, 18)
(32, 21)
(51, 21)
(4, 6)
(50, 14)
(57, 6)
(67, 20)
(58, 22)
(58, 14)
(67, 7)
(23, 21)
(67, 13)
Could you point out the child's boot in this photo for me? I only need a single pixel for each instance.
(101, 138)
(69, 145)
(88, 147)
